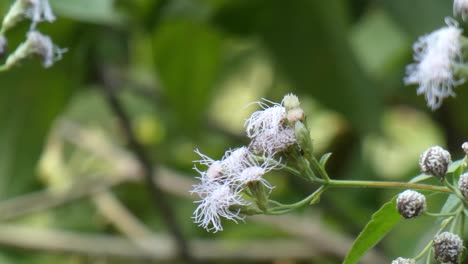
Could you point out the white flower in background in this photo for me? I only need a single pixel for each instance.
(269, 131)
(216, 202)
(35, 10)
(435, 55)
(39, 11)
(460, 7)
(36, 44)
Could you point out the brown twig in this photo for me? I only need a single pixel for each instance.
(159, 198)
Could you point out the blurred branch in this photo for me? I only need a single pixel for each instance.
(158, 195)
(122, 219)
(162, 247)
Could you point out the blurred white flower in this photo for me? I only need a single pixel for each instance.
(435, 56)
(36, 44)
(460, 7)
(35, 10)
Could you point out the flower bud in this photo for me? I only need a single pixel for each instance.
(465, 147)
(434, 161)
(403, 261)
(447, 247)
(290, 101)
(411, 204)
(303, 138)
(463, 184)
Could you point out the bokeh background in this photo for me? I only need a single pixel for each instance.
(71, 191)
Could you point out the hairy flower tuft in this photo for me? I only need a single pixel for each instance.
(403, 261)
(217, 200)
(447, 247)
(435, 161)
(269, 131)
(411, 204)
(435, 55)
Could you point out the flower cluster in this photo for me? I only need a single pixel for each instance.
(234, 184)
(36, 43)
(436, 55)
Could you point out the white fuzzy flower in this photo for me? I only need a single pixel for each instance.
(234, 160)
(214, 171)
(460, 7)
(269, 130)
(252, 170)
(216, 202)
(435, 56)
(270, 119)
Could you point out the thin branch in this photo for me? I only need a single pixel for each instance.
(163, 248)
(122, 219)
(158, 195)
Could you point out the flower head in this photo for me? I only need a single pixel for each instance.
(435, 57)
(447, 247)
(36, 44)
(463, 184)
(460, 7)
(435, 161)
(411, 204)
(269, 130)
(35, 10)
(217, 200)
(403, 261)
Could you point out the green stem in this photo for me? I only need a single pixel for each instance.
(440, 215)
(318, 168)
(284, 208)
(383, 184)
(428, 246)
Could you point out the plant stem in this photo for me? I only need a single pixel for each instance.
(281, 209)
(383, 184)
(428, 246)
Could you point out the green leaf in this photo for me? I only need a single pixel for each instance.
(309, 44)
(421, 177)
(92, 11)
(188, 60)
(451, 202)
(324, 158)
(381, 223)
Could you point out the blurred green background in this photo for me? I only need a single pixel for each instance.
(185, 70)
